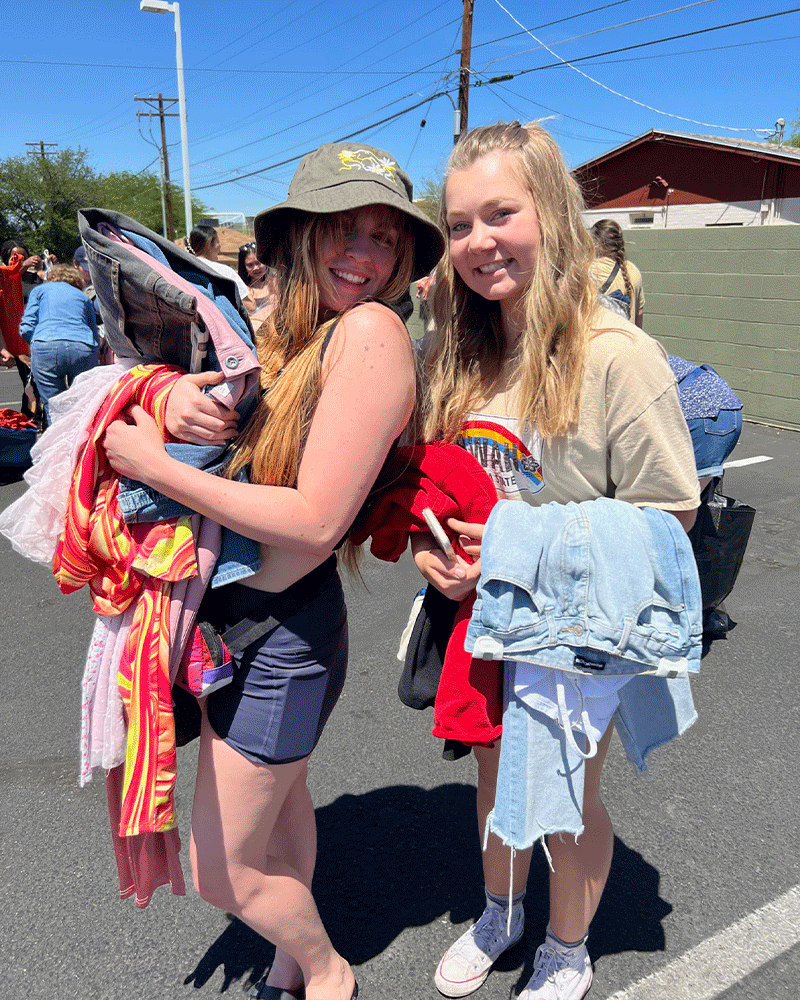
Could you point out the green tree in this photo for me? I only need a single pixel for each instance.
(430, 197)
(40, 196)
(794, 134)
(139, 196)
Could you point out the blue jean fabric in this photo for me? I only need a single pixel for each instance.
(713, 412)
(145, 316)
(152, 318)
(714, 438)
(56, 364)
(238, 556)
(599, 587)
(540, 777)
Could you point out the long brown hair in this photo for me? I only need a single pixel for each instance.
(464, 356)
(610, 242)
(291, 341)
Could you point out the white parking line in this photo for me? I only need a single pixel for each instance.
(714, 965)
(738, 462)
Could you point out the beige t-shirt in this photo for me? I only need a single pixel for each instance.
(601, 268)
(631, 441)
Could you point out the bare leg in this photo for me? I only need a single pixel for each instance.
(581, 870)
(497, 857)
(301, 853)
(237, 811)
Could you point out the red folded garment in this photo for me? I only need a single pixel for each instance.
(14, 420)
(452, 483)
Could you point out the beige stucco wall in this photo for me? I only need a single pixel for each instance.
(730, 298)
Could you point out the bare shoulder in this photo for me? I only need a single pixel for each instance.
(368, 374)
(373, 335)
(371, 321)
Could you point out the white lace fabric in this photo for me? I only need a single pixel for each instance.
(34, 523)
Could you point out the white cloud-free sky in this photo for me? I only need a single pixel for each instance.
(265, 83)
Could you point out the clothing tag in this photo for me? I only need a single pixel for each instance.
(583, 664)
(221, 392)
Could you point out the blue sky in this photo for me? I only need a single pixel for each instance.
(268, 82)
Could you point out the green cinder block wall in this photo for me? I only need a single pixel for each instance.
(729, 297)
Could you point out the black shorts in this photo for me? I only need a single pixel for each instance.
(284, 687)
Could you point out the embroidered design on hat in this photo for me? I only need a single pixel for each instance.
(365, 159)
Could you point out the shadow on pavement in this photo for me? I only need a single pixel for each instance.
(402, 856)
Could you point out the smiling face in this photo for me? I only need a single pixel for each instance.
(255, 269)
(356, 256)
(493, 229)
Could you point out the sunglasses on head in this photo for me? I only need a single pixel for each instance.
(247, 246)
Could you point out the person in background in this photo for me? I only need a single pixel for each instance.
(60, 326)
(261, 283)
(203, 242)
(17, 264)
(80, 262)
(616, 276)
(521, 353)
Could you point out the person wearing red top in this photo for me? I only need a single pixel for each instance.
(13, 349)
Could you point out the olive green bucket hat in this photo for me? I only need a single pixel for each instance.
(341, 176)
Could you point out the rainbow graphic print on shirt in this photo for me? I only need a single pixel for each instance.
(513, 467)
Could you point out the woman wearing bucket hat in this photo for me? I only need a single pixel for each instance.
(347, 240)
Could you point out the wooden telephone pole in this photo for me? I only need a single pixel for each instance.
(162, 114)
(463, 77)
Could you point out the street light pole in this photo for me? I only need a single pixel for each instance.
(162, 7)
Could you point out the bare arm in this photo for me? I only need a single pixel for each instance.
(366, 400)
(686, 517)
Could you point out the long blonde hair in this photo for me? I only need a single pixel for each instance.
(464, 356)
(291, 341)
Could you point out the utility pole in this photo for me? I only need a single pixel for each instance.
(466, 54)
(39, 147)
(166, 188)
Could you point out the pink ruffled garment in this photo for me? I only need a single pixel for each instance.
(103, 730)
(33, 523)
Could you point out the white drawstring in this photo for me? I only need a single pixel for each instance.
(566, 725)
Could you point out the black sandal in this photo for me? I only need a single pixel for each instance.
(260, 991)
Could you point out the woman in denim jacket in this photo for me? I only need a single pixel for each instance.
(560, 400)
(347, 239)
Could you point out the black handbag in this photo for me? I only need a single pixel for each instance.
(719, 539)
(427, 646)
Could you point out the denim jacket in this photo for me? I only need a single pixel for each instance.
(161, 304)
(598, 587)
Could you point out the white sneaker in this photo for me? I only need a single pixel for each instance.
(466, 964)
(559, 974)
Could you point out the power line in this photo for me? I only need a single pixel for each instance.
(607, 27)
(197, 69)
(627, 48)
(343, 138)
(276, 105)
(320, 114)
